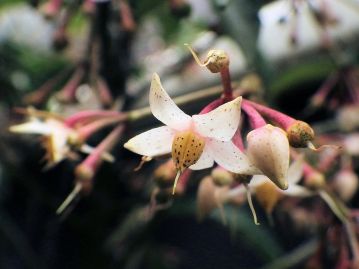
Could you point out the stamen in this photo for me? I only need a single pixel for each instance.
(250, 202)
(176, 180)
(144, 160)
(75, 192)
(198, 61)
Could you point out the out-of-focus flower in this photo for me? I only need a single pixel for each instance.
(268, 195)
(268, 148)
(195, 142)
(351, 144)
(209, 197)
(55, 139)
(55, 135)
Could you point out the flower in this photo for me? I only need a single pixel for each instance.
(55, 140)
(268, 148)
(195, 142)
(55, 135)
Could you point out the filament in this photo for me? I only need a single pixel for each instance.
(250, 202)
(198, 61)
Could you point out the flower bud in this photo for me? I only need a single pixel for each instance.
(314, 180)
(84, 175)
(299, 134)
(165, 174)
(217, 60)
(268, 149)
(346, 184)
(209, 197)
(351, 144)
(267, 196)
(222, 177)
(347, 118)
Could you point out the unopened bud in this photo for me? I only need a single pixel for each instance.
(84, 175)
(74, 139)
(300, 134)
(217, 60)
(268, 149)
(346, 184)
(165, 174)
(222, 177)
(314, 180)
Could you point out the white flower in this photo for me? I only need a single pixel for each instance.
(195, 142)
(55, 136)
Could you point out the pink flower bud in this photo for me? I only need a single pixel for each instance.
(268, 148)
(346, 183)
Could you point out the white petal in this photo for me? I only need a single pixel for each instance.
(155, 142)
(221, 123)
(205, 161)
(164, 109)
(227, 155)
(31, 127)
(298, 191)
(295, 171)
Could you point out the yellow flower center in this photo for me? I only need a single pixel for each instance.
(187, 148)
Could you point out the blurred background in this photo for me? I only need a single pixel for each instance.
(298, 56)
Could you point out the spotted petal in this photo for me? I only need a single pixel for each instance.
(221, 123)
(205, 161)
(155, 142)
(164, 109)
(227, 155)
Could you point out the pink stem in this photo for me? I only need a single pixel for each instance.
(227, 86)
(104, 93)
(86, 131)
(281, 119)
(87, 115)
(255, 119)
(127, 21)
(68, 92)
(94, 159)
(211, 106)
(323, 91)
